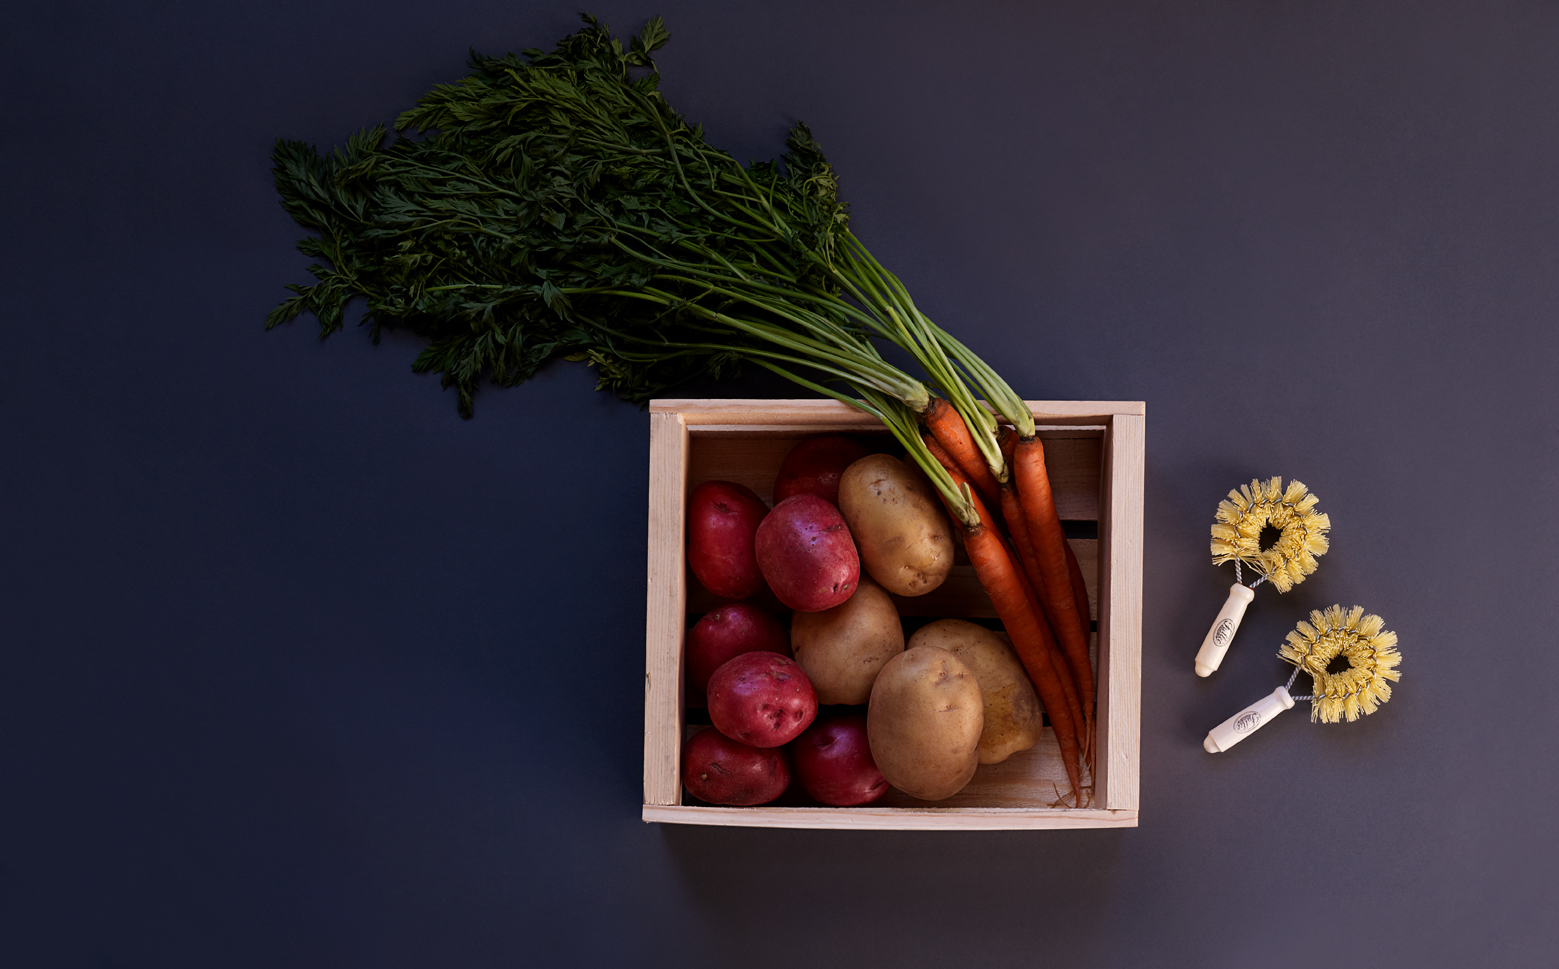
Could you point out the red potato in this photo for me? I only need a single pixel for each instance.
(720, 770)
(807, 555)
(834, 762)
(762, 699)
(731, 630)
(814, 465)
(722, 520)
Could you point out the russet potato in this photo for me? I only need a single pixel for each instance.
(905, 540)
(1011, 707)
(842, 648)
(924, 723)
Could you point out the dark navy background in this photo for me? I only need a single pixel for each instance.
(299, 669)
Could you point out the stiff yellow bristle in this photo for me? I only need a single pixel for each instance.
(1369, 648)
(1302, 531)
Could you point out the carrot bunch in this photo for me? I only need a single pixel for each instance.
(656, 257)
(1030, 574)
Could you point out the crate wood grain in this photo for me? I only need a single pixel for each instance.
(1094, 454)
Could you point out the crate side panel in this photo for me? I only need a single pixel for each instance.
(893, 819)
(824, 411)
(1082, 411)
(665, 610)
(1120, 624)
(811, 412)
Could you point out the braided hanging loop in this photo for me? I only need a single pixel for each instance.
(1369, 648)
(1236, 535)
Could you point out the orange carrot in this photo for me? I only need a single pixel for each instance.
(1068, 717)
(1002, 582)
(1057, 661)
(947, 426)
(1006, 439)
(1044, 529)
(1013, 513)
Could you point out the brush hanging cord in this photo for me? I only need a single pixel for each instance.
(1358, 691)
(1236, 537)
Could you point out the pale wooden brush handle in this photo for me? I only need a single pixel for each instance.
(1247, 721)
(1224, 627)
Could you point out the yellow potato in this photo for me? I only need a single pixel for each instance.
(1012, 709)
(924, 723)
(898, 524)
(841, 649)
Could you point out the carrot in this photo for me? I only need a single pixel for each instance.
(1003, 583)
(1057, 661)
(1042, 641)
(1006, 439)
(1044, 529)
(947, 426)
(1012, 511)
(1025, 555)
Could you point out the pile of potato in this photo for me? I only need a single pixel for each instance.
(848, 527)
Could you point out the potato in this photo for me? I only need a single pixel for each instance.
(924, 723)
(761, 699)
(904, 538)
(722, 771)
(814, 465)
(843, 648)
(1012, 709)
(731, 630)
(722, 522)
(806, 553)
(834, 761)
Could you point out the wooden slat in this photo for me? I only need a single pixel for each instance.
(962, 595)
(1029, 778)
(1120, 624)
(665, 611)
(823, 411)
(1089, 411)
(1033, 778)
(792, 431)
(1087, 552)
(893, 819)
(959, 595)
(807, 412)
(1074, 464)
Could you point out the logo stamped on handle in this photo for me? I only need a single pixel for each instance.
(1247, 722)
(1223, 633)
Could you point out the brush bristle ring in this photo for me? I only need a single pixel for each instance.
(1369, 648)
(1302, 531)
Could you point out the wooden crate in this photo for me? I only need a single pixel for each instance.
(1094, 453)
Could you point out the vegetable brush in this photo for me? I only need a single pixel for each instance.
(1362, 640)
(1237, 538)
